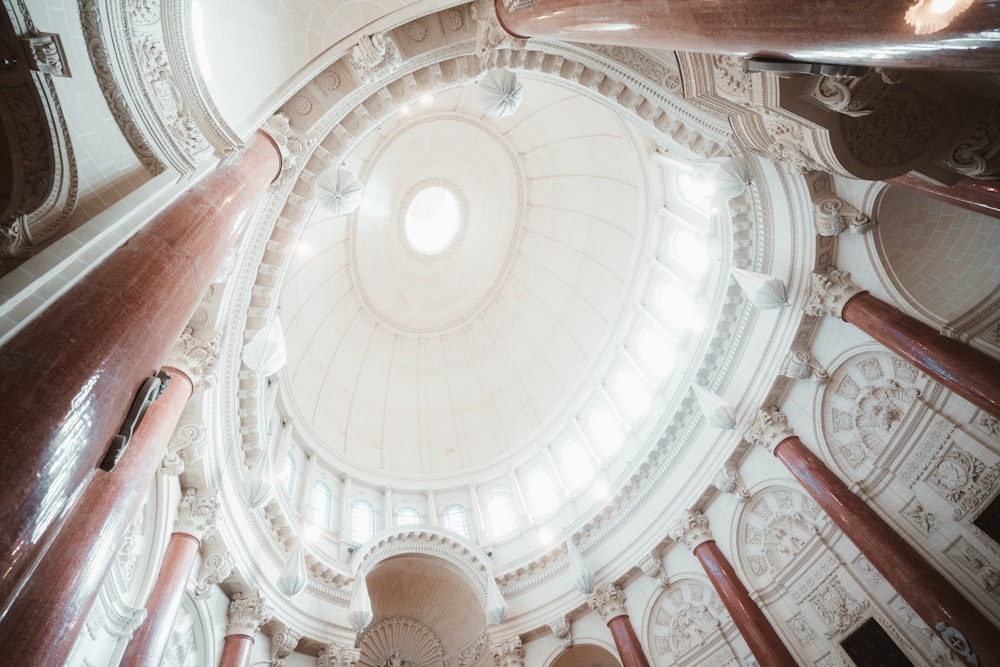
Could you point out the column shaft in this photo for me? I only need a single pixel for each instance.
(150, 640)
(760, 636)
(627, 642)
(832, 32)
(964, 370)
(42, 624)
(236, 651)
(969, 193)
(932, 596)
(68, 378)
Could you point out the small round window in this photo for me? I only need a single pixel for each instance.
(432, 219)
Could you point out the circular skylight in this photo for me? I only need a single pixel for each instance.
(432, 219)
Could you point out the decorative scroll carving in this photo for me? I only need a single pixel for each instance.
(975, 155)
(802, 365)
(828, 292)
(508, 653)
(292, 145)
(216, 566)
(283, 642)
(375, 56)
(46, 55)
(728, 480)
(246, 614)
(608, 601)
(196, 514)
(964, 479)
(775, 529)
(187, 445)
(769, 428)
(834, 216)
(853, 96)
(562, 629)
(338, 655)
(653, 567)
(692, 529)
(839, 609)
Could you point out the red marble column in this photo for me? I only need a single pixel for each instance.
(236, 651)
(68, 377)
(932, 596)
(966, 371)
(42, 624)
(627, 642)
(195, 517)
(854, 32)
(971, 194)
(762, 639)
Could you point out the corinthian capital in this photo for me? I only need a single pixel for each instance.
(692, 529)
(608, 601)
(508, 653)
(196, 514)
(338, 655)
(246, 615)
(828, 292)
(195, 357)
(768, 429)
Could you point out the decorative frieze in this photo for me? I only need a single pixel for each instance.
(375, 56)
(829, 292)
(338, 655)
(196, 514)
(246, 614)
(768, 429)
(608, 601)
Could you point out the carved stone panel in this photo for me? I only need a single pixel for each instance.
(684, 622)
(777, 525)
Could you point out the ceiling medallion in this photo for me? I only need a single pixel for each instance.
(433, 217)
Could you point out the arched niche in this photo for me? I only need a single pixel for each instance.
(943, 260)
(586, 655)
(685, 623)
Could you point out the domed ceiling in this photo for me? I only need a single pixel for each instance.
(429, 361)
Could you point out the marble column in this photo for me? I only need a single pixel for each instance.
(508, 652)
(979, 196)
(964, 370)
(941, 606)
(55, 600)
(760, 636)
(609, 602)
(855, 32)
(68, 377)
(195, 519)
(243, 619)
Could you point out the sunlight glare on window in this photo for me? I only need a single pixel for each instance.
(362, 521)
(407, 516)
(690, 252)
(577, 466)
(606, 430)
(633, 394)
(695, 190)
(542, 489)
(654, 353)
(678, 308)
(501, 512)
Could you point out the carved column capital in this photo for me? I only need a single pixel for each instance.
(728, 480)
(292, 145)
(692, 529)
(195, 357)
(653, 567)
(186, 445)
(283, 642)
(196, 514)
(562, 629)
(491, 35)
(768, 429)
(508, 653)
(245, 615)
(608, 601)
(829, 292)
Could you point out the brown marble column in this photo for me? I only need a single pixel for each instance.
(969, 193)
(609, 602)
(855, 32)
(49, 609)
(195, 519)
(933, 598)
(964, 370)
(68, 377)
(760, 636)
(244, 618)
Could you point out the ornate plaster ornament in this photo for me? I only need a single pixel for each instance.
(691, 528)
(853, 96)
(769, 428)
(186, 445)
(765, 292)
(829, 292)
(653, 567)
(562, 628)
(246, 614)
(216, 566)
(728, 480)
(491, 35)
(375, 56)
(338, 655)
(508, 653)
(46, 55)
(608, 601)
(196, 514)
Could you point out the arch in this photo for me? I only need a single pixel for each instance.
(944, 261)
(586, 653)
(500, 508)
(407, 516)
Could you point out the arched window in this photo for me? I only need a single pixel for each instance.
(689, 251)
(500, 507)
(542, 490)
(456, 519)
(632, 394)
(407, 516)
(695, 191)
(362, 521)
(606, 431)
(654, 353)
(577, 466)
(322, 502)
(678, 308)
(289, 475)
